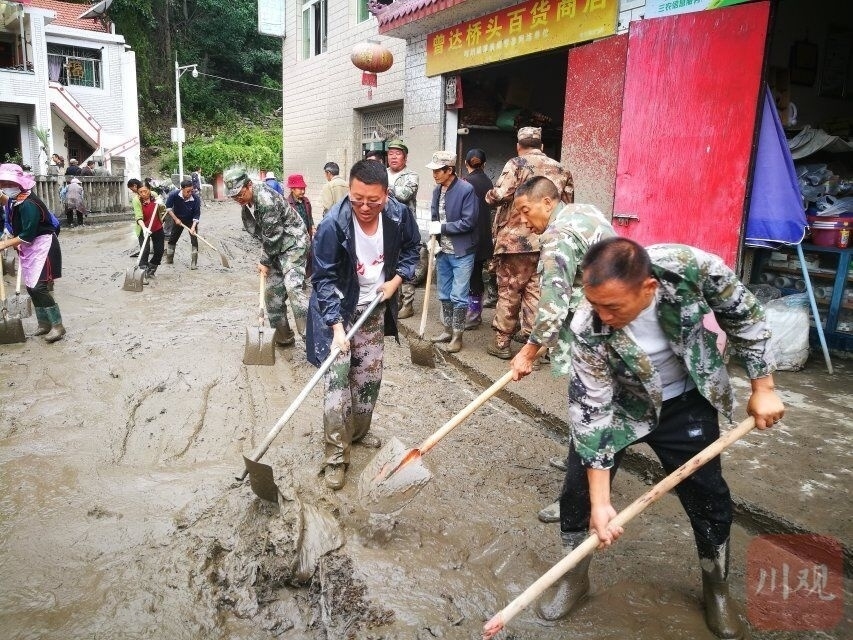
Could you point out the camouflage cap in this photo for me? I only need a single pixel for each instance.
(441, 159)
(529, 133)
(235, 179)
(396, 143)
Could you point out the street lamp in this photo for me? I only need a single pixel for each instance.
(179, 71)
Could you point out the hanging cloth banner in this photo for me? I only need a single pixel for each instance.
(776, 214)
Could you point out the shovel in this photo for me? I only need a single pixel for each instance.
(423, 351)
(261, 475)
(22, 305)
(11, 329)
(396, 474)
(259, 349)
(500, 619)
(9, 261)
(222, 257)
(133, 276)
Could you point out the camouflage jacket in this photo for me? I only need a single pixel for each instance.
(276, 224)
(511, 236)
(615, 394)
(404, 187)
(570, 232)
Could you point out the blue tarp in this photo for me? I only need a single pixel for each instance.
(776, 214)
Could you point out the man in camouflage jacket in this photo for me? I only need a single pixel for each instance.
(516, 254)
(284, 240)
(403, 185)
(645, 369)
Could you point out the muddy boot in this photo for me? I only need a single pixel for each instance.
(446, 321)
(57, 330)
(335, 476)
(300, 325)
(458, 327)
(194, 260)
(44, 322)
(69, 218)
(499, 348)
(361, 431)
(152, 270)
(145, 276)
(491, 298)
(284, 336)
(407, 299)
(721, 616)
(473, 318)
(560, 599)
(79, 219)
(170, 254)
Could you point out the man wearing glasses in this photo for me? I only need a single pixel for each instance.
(284, 241)
(367, 243)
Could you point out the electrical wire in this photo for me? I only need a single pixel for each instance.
(210, 75)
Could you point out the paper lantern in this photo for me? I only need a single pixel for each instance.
(371, 58)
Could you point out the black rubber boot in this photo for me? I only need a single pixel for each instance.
(458, 329)
(56, 329)
(194, 260)
(283, 335)
(170, 254)
(561, 598)
(721, 616)
(446, 321)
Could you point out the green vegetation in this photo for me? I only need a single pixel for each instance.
(220, 116)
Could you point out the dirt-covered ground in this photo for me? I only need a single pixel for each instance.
(120, 515)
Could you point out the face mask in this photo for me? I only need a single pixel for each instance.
(12, 192)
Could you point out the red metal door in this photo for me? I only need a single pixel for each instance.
(688, 122)
(594, 87)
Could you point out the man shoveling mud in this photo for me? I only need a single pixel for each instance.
(646, 370)
(367, 243)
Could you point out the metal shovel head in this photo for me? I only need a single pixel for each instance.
(382, 489)
(133, 279)
(260, 349)
(422, 352)
(262, 480)
(11, 331)
(20, 306)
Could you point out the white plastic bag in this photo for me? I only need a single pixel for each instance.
(788, 319)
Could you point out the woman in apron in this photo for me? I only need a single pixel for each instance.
(34, 236)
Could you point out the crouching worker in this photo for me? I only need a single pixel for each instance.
(367, 243)
(645, 369)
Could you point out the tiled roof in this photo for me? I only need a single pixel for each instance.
(404, 11)
(67, 13)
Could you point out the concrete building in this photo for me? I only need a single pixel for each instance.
(64, 71)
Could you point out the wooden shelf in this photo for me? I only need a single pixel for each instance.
(815, 273)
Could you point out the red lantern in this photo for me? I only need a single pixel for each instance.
(371, 58)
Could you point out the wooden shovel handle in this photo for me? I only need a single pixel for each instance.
(475, 404)
(500, 619)
(262, 307)
(430, 250)
(18, 277)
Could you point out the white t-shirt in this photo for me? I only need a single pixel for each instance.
(646, 331)
(370, 262)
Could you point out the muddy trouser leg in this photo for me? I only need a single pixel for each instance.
(352, 382)
(407, 293)
(293, 270)
(177, 230)
(530, 294)
(365, 374)
(511, 285)
(275, 295)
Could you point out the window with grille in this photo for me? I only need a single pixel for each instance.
(315, 23)
(381, 124)
(74, 66)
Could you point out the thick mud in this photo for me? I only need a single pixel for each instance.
(120, 514)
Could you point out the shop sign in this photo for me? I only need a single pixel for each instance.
(660, 8)
(528, 27)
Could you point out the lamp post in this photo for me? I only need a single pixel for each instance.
(179, 71)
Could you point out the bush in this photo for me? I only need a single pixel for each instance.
(251, 147)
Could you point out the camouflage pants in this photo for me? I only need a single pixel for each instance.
(351, 387)
(286, 281)
(518, 292)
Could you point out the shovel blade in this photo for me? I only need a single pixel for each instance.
(384, 488)
(133, 279)
(20, 306)
(224, 260)
(261, 479)
(260, 349)
(422, 352)
(12, 331)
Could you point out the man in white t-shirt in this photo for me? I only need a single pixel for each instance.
(366, 243)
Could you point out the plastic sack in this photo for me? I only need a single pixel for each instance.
(788, 320)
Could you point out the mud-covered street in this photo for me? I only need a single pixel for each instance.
(120, 515)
